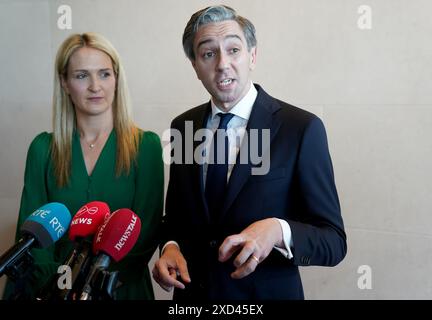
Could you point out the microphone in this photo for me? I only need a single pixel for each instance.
(40, 230)
(83, 226)
(114, 239)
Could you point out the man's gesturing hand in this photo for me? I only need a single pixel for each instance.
(254, 243)
(171, 265)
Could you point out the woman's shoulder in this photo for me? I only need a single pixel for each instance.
(42, 141)
(39, 148)
(149, 138)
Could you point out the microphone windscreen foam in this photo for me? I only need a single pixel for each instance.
(88, 219)
(117, 236)
(47, 224)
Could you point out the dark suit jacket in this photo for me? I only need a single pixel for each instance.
(299, 188)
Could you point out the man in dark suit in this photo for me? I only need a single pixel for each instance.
(239, 228)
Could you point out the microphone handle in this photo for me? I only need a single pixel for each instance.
(78, 261)
(10, 257)
(83, 253)
(50, 290)
(79, 269)
(102, 262)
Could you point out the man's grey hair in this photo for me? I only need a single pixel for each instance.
(215, 14)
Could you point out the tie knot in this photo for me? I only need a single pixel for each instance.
(224, 119)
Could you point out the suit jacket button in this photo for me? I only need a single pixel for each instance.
(213, 244)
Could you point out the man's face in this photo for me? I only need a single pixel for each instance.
(223, 62)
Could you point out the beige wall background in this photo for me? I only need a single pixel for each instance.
(372, 88)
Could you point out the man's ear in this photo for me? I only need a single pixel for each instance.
(195, 68)
(64, 83)
(253, 57)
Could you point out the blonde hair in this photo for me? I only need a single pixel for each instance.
(64, 119)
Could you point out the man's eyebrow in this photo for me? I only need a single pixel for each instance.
(204, 42)
(233, 36)
(210, 40)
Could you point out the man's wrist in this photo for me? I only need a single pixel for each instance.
(168, 244)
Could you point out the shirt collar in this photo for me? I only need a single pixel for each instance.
(243, 108)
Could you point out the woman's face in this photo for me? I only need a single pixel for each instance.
(90, 81)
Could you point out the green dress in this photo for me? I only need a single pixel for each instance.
(141, 191)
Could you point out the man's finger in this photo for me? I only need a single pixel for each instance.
(244, 255)
(183, 272)
(230, 245)
(158, 279)
(169, 278)
(246, 269)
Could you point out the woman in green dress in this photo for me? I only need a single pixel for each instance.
(95, 152)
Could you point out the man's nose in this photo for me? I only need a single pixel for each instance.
(223, 61)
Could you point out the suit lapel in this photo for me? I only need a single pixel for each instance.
(261, 118)
(199, 122)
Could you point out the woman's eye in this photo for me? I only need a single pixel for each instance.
(106, 74)
(80, 75)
